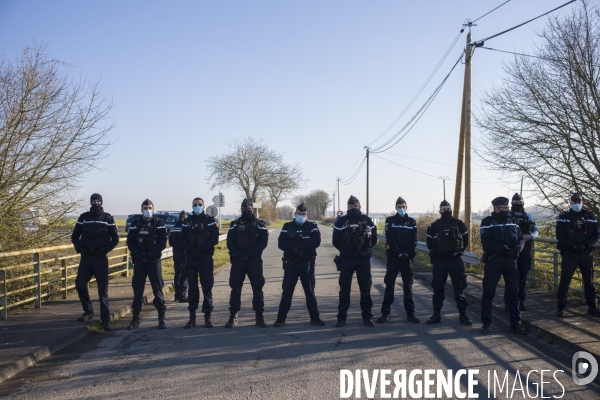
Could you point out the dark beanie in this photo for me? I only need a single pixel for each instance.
(247, 203)
(95, 196)
(444, 203)
(517, 197)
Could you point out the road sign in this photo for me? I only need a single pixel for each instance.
(212, 211)
(219, 200)
(256, 204)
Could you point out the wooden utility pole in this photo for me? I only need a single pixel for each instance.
(467, 116)
(338, 196)
(461, 149)
(367, 180)
(334, 211)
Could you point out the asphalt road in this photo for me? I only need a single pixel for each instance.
(296, 361)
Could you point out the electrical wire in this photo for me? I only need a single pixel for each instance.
(489, 12)
(437, 67)
(351, 179)
(417, 116)
(354, 165)
(527, 55)
(480, 43)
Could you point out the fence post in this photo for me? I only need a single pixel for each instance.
(532, 270)
(555, 264)
(64, 276)
(128, 261)
(37, 270)
(3, 302)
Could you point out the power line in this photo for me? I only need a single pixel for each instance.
(489, 12)
(354, 165)
(421, 88)
(480, 43)
(417, 116)
(530, 55)
(351, 179)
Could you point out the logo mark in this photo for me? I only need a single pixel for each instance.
(581, 364)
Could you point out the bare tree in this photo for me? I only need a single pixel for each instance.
(316, 203)
(255, 169)
(285, 211)
(543, 122)
(52, 133)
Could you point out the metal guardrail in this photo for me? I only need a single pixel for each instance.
(536, 275)
(48, 271)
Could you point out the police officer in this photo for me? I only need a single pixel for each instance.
(530, 231)
(354, 234)
(246, 239)
(577, 235)
(146, 239)
(199, 236)
(180, 281)
(299, 240)
(447, 239)
(401, 241)
(502, 242)
(95, 234)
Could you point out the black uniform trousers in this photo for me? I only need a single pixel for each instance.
(394, 267)
(205, 269)
(239, 269)
(570, 261)
(523, 265)
(96, 266)
(362, 267)
(180, 280)
(291, 273)
(456, 269)
(152, 271)
(493, 270)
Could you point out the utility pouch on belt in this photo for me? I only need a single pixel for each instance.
(388, 253)
(336, 260)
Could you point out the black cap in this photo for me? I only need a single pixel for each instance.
(500, 201)
(400, 200)
(576, 197)
(147, 202)
(246, 203)
(517, 197)
(301, 207)
(183, 214)
(353, 200)
(95, 196)
(444, 203)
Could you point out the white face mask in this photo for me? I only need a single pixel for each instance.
(197, 209)
(401, 212)
(576, 207)
(147, 213)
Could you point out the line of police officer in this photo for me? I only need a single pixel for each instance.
(506, 240)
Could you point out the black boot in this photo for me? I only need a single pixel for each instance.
(260, 320)
(413, 319)
(436, 318)
(232, 320)
(162, 323)
(192, 322)
(463, 318)
(135, 321)
(383, 319)
(207, 322)
(593, 311)
(368, 322)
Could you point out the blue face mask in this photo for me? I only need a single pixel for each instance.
(147, 213)
(401, 212)
(576, 207)
(197, 209)
(300, 219)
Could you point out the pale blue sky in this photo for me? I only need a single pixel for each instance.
(318, 80)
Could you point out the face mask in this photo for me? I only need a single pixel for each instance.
(247, 214)
(517, 207)
(576, 207)
(96, 207)
(447, 214)
(300, 219)
(354, 212)
(197, 209)
(147, 213)
(401, 212)
(502, 214)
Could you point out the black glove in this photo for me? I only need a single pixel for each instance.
(85, 251)
(403, 256)
(146, 259)
(580, 248)
(244, 257)
(99, 252)
(511, 253)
